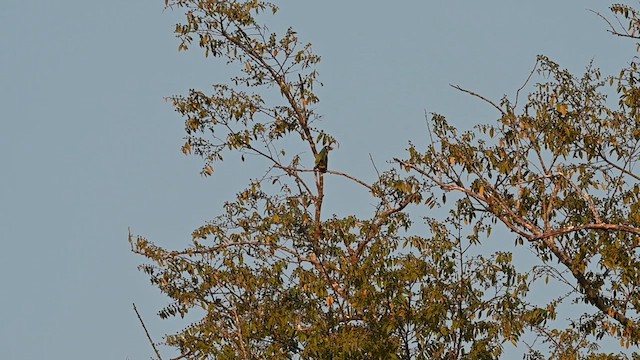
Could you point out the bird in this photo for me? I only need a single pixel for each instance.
(322, 159)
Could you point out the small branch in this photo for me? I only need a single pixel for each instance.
(239, 334)
(350, 178)
(426, 118)
(374, 165)
(515, 105)
(586, 197)
(612, 29)
(183, 356)
(147, 332)
(377, 226)
(504, 215)
(601, 226)
(478, 96)
(622, 169)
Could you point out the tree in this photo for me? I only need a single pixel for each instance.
(275, 277)
(560, 175)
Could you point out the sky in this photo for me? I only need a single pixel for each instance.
(90, 149)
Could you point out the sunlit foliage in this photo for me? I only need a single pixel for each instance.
(276, 276)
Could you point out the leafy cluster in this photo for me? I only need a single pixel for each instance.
(274, 277)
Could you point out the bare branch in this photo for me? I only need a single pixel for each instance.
(598, 226)
(153, 345)
(350, 178)
(535, 66)
(612, 29)
(622, 170)
(478, 96)
(374, 165)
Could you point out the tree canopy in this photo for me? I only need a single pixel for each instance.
(275, 276)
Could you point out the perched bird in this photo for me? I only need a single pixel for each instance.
(322, 159)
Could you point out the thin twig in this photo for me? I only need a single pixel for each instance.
(350, 178)
(147, 332)
(374, 165)
(478, 96)
(515, 105)
(613, 29)
(426, 119)
(183, 356)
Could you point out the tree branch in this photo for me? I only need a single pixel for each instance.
(153, 345)
(478, 96)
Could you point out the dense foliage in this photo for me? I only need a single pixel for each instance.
(274, 276)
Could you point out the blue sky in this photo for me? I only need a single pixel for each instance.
(89, 148)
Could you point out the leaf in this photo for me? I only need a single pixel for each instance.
(562, 109)
(186, 148)
(329, 300)
(207, 171)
